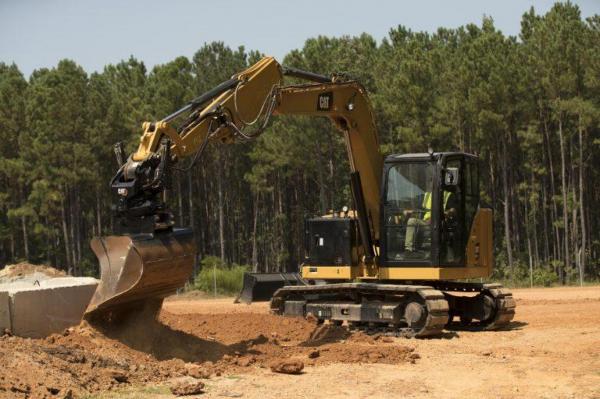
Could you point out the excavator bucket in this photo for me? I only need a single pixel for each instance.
(138, 271)
(261, 286)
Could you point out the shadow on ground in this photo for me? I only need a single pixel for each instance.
(457, 326)
(139, 329)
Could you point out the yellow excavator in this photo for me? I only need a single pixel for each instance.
(396, 262)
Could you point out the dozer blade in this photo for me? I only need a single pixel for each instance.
(261, 286)
(138, 271)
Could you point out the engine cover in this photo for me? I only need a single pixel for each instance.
(330, 241)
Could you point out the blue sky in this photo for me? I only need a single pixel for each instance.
(38, 33)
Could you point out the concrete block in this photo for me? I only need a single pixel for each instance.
(4, 312)
(49, 306)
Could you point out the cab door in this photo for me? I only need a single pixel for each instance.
(408, 214)
(452, 212)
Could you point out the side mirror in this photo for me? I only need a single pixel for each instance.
(451, 177)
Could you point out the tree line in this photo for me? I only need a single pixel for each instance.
(529, 106)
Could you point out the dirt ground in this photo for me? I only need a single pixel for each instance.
(552, 350)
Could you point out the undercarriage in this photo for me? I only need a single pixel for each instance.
(415, 310)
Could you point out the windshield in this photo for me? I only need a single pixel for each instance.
(408, 211)
(408, 183)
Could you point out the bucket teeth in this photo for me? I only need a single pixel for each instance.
(135, 270)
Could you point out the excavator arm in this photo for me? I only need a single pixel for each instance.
(215, 116)
(150, 258)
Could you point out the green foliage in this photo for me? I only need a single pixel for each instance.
(520, 275)
(544, 278)
(228, 277)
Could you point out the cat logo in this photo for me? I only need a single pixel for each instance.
(324, 102)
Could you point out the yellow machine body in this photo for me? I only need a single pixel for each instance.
(479, 262)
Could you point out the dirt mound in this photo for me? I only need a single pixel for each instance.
(89, 359)
(24, 271)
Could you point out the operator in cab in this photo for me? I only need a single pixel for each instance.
(414, 221)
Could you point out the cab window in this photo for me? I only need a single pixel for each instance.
(408, 211)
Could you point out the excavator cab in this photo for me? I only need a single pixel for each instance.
(429, 202)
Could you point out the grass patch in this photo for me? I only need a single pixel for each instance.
(214, 273)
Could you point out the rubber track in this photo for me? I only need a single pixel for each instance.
(434, 300)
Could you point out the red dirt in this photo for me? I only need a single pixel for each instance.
(550, 351)
(85, 359)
